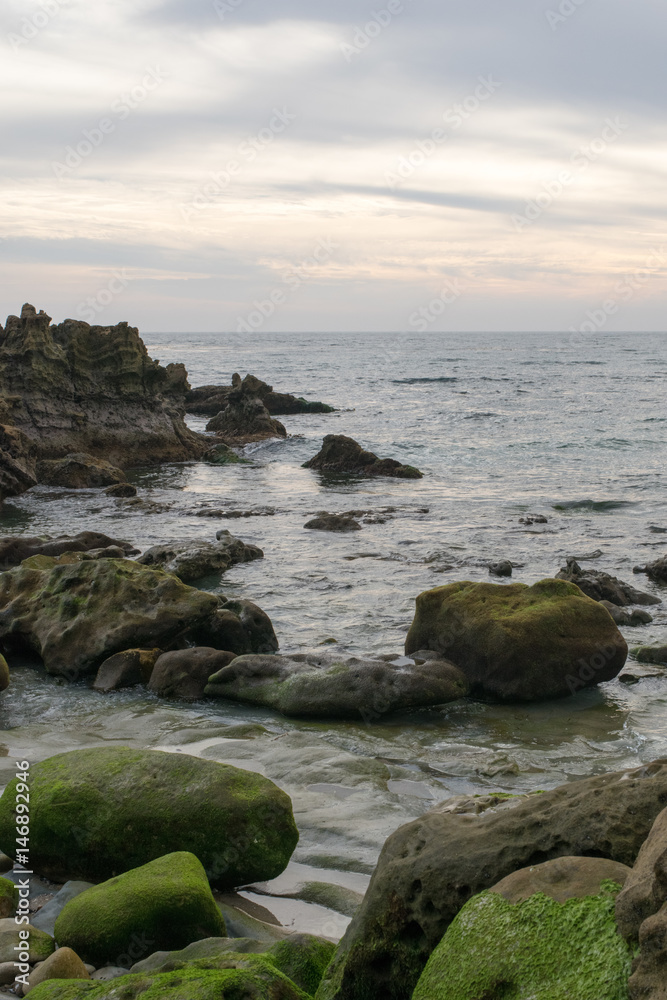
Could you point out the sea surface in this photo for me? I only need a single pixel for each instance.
(502, 426)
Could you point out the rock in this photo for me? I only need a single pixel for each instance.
(340, 454)
(126, 669)
(649, 978)
(62, 964)
(656, 571)
(4, 673)
(221, 454)
(519, 643)
(184, 673)
(193, 560)
(603, 587)
(76, 613)
(40, 945)
(167, 901)
(651, 654)
(622, 617)
(646, 888)
(18, 458)
(108, 973)
(245, 418)
(211, 399)
(330, 686)
(9, 898)
(333, 522)
(431, 867)
(97, 813)
(562, 879)
(76, 388)
(14, 549)
(503, 568)
(237, 625)
(45, 919)
(534, 519)
(122, 491)
(8, 972)
(6, 864)
(78, 471)
(537, 948)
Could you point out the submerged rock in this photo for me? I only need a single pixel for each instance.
(79, 472)
(331, 686)
(431, 867)
(193, 559)
(122, 491)
(166, 903)
(211, 399)
(15, 548)
(342, 455)
(333, 522)
(184, 673)
(221, 454)
(97, 813)
(519, 643)
(603, 587)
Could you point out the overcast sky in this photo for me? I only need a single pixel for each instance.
(309, 165)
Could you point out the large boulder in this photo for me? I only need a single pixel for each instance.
(245, 418)
(537, 948)
(211, 399)
(167, 901)
(194, 559)
(94, 389)
(337, 687)
(343, 455)
(97, 813)
(18, 460)
(76, 612)
(603, 587)
(78, 472)
(238, 625)
(15, 548)
(519, 643)
(431, 867)
(184, 673)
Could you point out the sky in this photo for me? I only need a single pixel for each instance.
(252, 166)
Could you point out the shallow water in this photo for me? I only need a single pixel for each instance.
(501, 426)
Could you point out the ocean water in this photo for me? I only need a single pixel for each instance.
(502, 426)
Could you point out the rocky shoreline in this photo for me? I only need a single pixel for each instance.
(468, 874)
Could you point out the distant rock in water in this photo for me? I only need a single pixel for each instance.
(80, 388)
(656, 571)
(603, 587)
(341, 454)
(333, 522)
(211, 399)
(245, 418)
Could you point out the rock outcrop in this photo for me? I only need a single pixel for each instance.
(209, 400)
(341, 455)
(334, 687)
(431, 867)
(519, 643)
(603, 587)
(656, 571)
(79, 388)
(245, 418)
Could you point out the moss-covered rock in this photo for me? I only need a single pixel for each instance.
(40, 944)
(97, 813)
(519, 643)
(9, 898)
(221, 454)
(303, 959)
(76, 612)
(238, 977)
(164, 904)
(539, 949)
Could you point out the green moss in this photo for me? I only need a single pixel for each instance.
(303, 959)
(9, 898)
(538, 949)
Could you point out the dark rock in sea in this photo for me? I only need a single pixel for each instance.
(657, 530)
(431, 867)
(14, 549)
(628, 618)
(333, 522)
(78, 472)
(237, 625)
(235, 515)
(97, 813)
(184, 673)
(519, 643)
(75, 388)
(122, 491)
(18, 458)
(603, 587)
(651, 654)
(343, 455)
(221, 454)
(656, 571)
(328, 686)
(126, 669)
(75, 612)
(211, 399)
(193, 560)
(503, 568)
(245, 418)
(534, 519)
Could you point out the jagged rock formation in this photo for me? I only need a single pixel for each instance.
(603, 587)
(245, 419)
(343, 455)
(76, 388)
(211, 399)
